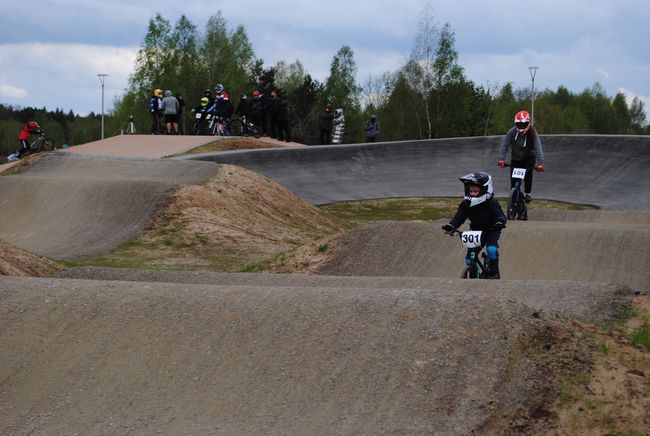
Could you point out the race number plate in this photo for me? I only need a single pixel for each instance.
(198, 116)
(471, 238)
(518, 173)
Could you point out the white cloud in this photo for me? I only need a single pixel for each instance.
(9, 91)
(64, 75)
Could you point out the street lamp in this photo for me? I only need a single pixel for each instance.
(102, 77)
(533, 72)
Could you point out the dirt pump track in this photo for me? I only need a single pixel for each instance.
(386, 340)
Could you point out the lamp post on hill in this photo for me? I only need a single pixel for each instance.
(533, 72)
(102, 77)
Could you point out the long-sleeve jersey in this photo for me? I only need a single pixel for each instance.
(524, 147)
(481, 217)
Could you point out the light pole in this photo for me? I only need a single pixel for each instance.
(102, 77)
(533, 72)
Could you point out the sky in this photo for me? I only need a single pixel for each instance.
(51, 51)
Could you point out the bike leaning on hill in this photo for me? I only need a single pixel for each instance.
(475, 258)
(42, 143)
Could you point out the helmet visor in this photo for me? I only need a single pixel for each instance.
(522, 125)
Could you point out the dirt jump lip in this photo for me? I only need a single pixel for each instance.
(586, 169)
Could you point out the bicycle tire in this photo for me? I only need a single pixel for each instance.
(514, 203)
(465, 274)
(256, 132)
(48, 144)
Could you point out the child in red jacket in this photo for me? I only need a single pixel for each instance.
(29, 129)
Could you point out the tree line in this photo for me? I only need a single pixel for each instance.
(427, 97)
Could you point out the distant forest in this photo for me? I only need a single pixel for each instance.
(427, 97)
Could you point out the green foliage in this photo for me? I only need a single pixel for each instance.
(641, 336)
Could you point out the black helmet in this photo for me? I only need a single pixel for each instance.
(243, 96)
(483, 181)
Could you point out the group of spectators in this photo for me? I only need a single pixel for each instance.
(270, 114)
(167, 112)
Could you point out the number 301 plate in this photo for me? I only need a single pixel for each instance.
(471, 239)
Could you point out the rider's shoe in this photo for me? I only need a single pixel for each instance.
(493, 269)
(528, 198)
(12, 157)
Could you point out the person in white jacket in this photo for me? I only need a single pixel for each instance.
(338, 127)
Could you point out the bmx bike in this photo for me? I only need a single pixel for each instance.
(475, 258)
(246, 127)
(517, 209)
(42, 143)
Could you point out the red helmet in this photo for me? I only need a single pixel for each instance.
(522, 122)
(256, 93)
(33, 125)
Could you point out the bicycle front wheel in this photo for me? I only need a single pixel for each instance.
(470, 272)
(48, 144)
(513, 203)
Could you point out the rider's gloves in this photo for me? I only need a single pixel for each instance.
(193, 110)
(501, 163)
(448, 228)
(540, 168)
(499, 225)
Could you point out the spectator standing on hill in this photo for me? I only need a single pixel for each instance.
(325, 126)
(170, 108)
(181, 119)
(283, 122)
(372, 128)
(273, 108)
(29, 129)
(339, 126)
(155, 108)
(242, 112)
(258, 111)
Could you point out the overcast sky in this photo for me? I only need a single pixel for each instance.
(52, 50)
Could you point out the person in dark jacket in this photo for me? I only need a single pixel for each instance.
(155, 108)
(257, 112)
(325, 126)
(242, 111)
(484, 213)
(181, 116)
(273, 109)
(284, 122)
(526, 151)
(372, 128)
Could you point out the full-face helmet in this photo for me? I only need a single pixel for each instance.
(33, 125)
(484, 183)
(522, 122)
(205, 101)
(256, 93)
(218, 88)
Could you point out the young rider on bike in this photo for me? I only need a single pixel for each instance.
(484, 213)
(31, 128)
(526, 151)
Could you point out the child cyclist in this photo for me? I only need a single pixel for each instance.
(484, 214)
(31, 128)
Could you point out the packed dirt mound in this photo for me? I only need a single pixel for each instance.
(239, 216)
(69, 206)
(136, 357)
(539, 250)
(16, 262)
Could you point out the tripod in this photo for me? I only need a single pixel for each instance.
(130, 128)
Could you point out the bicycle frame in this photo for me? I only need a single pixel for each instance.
(517, 208)
(476, 268)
